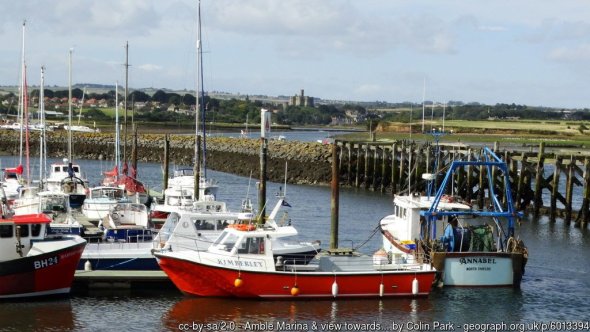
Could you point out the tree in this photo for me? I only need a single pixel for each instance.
(139, 96)
(160, 96)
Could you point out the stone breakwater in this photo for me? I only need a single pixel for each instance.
(308, 162)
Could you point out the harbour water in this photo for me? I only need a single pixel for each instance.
(555, 288)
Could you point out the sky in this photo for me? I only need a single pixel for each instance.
(533, 52)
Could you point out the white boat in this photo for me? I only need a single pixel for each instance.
(468, 245)
(67, 178)
(81, 129)
(100, 200)
(179, 196)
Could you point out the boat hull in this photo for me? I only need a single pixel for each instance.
(47, 273)
(483, 269)
(203, 280)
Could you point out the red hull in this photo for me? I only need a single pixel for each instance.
(46, 274)
(202, 280)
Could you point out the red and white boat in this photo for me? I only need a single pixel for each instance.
(32, 264)
(241, 263)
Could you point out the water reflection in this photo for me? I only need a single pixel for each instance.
(47, 315)
(216, 310)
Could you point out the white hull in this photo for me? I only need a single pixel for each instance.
(478, 270)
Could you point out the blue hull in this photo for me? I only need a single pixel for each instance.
(131, 264)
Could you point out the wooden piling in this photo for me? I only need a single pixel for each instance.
(555, 187)
(537, 200)
(584, 213)
(569, 190)
(334, 202)
(166, 162)
(393, 169)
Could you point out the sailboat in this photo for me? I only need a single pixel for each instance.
(188, 186)
(12, 179)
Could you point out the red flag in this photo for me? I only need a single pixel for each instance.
(113, 172)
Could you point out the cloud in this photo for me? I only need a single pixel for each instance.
(580, 53)
(150, 67)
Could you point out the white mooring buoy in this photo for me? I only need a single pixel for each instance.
(415, 287)
(334, 289)
(381, 289)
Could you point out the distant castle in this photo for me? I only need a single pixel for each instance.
(301, 100)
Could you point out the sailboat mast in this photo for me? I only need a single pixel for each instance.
(197, 159)
(125, 100)
(42, 151)
(202, 92)
(26, 125)
(117, 159)
(70, 107)
(20, 116)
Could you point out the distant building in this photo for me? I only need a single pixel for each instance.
(301, 100)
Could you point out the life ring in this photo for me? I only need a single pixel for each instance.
(243, 227)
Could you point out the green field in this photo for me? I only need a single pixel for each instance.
(553, 133)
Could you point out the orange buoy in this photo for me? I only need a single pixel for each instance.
(295, 290)
(238, 282)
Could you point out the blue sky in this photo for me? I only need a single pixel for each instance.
(532, 52)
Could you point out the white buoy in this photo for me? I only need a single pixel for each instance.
(381, 289)
(334, 289)
(415, 287)
(87, 266)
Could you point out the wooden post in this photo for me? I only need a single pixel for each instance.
(538, 200)
(402, 166)
(383, 169)
(358, 164)
(469, 193)
(375, 164)
(393, 169)
(166, 162)
(349, 176)
(555, 189)
(520, 184)
(335, 200)
(569, 190)
(366, 178)
(584, 213)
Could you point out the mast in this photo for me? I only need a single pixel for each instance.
(117, 159)
(20, 96)
(197, 159)
(202, 91)
(26, 125)
(42, 147)
(70, 107)
(125, 100)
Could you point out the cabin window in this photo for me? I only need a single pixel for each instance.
(228, 242)
(24, 230)
(252, 245)
(35, 229)
(6, 231)
(56, 169)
